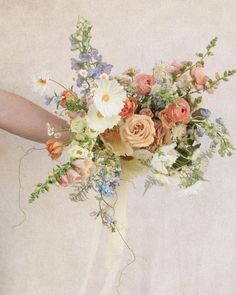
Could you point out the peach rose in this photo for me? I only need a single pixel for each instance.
(54, 148)
(138, 131)
(199, 77)
(144, 83)
(146, 112)
(176, 67)
(129, 107)
(162, 137)
(177, 112)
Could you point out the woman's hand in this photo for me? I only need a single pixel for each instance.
(26, 119)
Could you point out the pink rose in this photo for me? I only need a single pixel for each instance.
(64, 181)
(144, 83)
(199, 77)
(70, 178)
(176, 67)
(177, 112)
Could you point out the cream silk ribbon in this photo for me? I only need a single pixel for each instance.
(130, 169)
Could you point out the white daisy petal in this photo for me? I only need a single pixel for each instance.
(109, 97)
(98, 122)
(41, 83)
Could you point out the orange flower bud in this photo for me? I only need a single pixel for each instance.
(54, 148)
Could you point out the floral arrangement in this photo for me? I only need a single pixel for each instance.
(155, 119)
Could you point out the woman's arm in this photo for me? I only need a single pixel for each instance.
(23, 118)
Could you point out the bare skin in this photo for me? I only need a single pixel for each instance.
(26, 119)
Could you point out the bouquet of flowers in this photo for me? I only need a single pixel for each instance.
(154, 121)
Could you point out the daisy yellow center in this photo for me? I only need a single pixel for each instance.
(99, 115)
(105, 97)
(42, 81)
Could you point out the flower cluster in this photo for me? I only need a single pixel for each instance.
(156, 119)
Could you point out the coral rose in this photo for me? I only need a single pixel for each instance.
(144, 83)
(199, 77)
(54, 148)
(162, 137)
(129, 107)
(177, 112)
(138, 131)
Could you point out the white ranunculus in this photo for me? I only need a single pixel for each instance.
(158, 164)
(77, 152)
(164, 158)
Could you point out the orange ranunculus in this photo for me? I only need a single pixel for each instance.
(129, 107)
(54, 148)
(176, 112)
(65, 96)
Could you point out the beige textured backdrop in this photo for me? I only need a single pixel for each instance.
(185, 246)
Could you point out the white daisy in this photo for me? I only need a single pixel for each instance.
(109, 97)
(41, 82)
(98, 122)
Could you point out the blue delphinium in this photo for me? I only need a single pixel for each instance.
(93, 64)
(108, 182)
(104, 189)
(205, 112)
(219, 121)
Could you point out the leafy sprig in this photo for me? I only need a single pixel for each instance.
(80, 40)
(53, 178)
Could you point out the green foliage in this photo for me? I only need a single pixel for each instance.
(208, 52)
(80, 192)
(75, 105)
(52, 179)
(80, 40)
